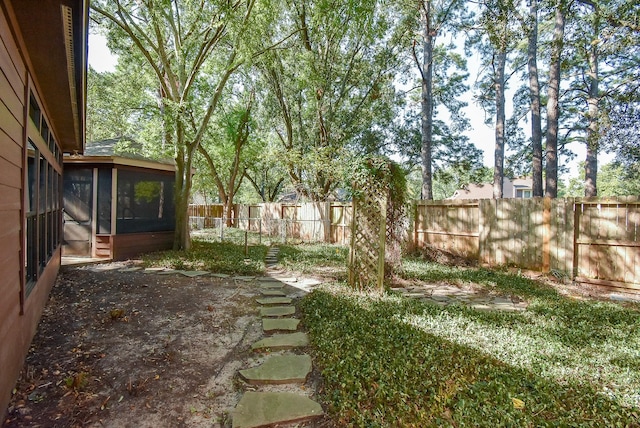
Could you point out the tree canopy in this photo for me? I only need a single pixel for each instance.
(264, 97)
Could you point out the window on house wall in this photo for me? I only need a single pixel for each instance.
(43, 211)
(145, 202)
(31, 266)
(524, 193)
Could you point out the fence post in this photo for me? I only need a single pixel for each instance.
(546, 235)
(577, 212)
(486, 208)
(222, 228)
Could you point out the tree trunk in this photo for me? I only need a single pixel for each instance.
(427, 103)
(499, 84)
(591, 163)
(228, 211)
(534, 90)
(182, 238)
(553, 112)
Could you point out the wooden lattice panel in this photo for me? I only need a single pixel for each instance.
(366, 255)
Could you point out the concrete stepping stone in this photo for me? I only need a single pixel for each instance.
(262, 409)
(274, 300)
(277, 311)
(168, 272)
(287, 279)
(244, 278)
(272, 285)
(220, 275)
(194, 273)
(269, 325)
(278, 370)
(131, 269)
(282, 341)
(265, 279)
(273, 292)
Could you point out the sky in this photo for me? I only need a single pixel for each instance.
(101, 59)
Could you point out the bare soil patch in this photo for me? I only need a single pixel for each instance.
(136, 349)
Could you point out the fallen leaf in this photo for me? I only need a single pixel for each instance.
(517, 403)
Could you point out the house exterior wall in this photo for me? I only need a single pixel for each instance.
(485, 191)
(15, 329)
(30, 184)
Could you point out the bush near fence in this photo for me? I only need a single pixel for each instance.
(594, 240)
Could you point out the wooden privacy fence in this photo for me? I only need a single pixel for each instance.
(311, 222)
(594, 240)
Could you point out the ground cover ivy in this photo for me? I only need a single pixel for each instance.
(219, 257)
(393, 361)
(307, 257)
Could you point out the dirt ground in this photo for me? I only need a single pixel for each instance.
(135, 349)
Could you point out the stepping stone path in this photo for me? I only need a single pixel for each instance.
(267, 408)
(272, 257)
(445, 295)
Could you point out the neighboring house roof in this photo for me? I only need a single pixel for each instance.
(485, 190)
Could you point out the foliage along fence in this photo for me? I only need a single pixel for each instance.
(594, 240)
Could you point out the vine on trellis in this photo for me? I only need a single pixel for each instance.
(379, 194)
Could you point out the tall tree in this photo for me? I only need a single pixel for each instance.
(225, 152)
(534, 95)
(495, 38)
(330, 88)
(177, 40)
(450, 148)
(593, 113)
(435, 16)
(553, 98)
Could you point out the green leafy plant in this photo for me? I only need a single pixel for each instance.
(395, 361)
(221, 257)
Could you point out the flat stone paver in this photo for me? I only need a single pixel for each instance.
(282, 341)
(279, 369)
(131, 269)
(274, 300)
(168, 272)
(271, 285)
(244, 278)
(270, 325)
(286, 279)
(194, 273)
(261, 409)
(273, 292)
(277, 311)
(445, 295)
(220, 275)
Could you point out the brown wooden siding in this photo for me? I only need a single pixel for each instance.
(132, 244)
(16, 328)
(12, 111)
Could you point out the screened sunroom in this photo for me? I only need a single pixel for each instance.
(116, 207)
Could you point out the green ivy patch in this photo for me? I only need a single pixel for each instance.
(393, 361)
(219, 257)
